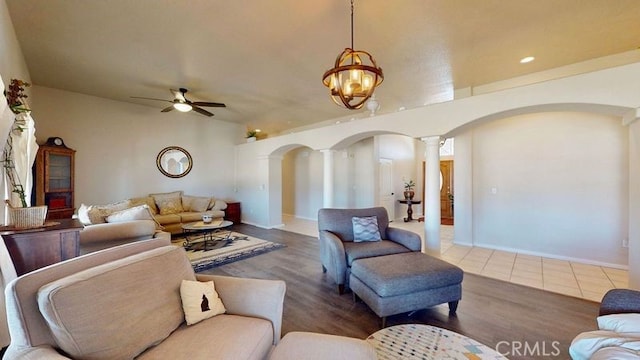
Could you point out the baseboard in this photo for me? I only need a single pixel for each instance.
(257, 225)
(300, 217)
(550, 256)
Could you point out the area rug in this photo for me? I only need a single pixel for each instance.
(220, 252)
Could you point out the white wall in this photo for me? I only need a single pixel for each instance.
(302, 185)
(560, 183)
(117, 144)
(12, 64)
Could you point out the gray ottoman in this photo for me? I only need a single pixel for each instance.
(393, 284)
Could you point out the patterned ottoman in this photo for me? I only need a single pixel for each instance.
(393, 284)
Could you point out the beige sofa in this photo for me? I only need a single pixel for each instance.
(170, 210)
(125, 302)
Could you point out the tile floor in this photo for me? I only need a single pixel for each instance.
(565, 277)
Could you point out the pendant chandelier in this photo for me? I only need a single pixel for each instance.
(354, 77)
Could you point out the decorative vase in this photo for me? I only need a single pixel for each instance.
(409, 194)
(251, 139)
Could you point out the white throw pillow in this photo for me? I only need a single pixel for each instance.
(140, 212)
(365, 229)
(83, 214)
(200, 301)
(620, 323)
(96, 214)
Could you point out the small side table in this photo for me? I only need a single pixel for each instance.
(233, 212)
(409, 210)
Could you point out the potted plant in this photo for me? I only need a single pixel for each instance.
(17, 160)
(252, 135)
(408, 190)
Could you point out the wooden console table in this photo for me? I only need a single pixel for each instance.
(35, 248)
(409, 210)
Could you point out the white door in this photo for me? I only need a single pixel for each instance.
(387, 198)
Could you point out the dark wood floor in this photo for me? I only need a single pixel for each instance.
(493, 312)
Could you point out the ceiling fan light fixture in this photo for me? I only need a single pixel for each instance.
(527, 59)
(182, 107)
(354, 77)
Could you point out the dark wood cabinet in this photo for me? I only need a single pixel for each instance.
(233, 212)
(35, 248)
(53, 179)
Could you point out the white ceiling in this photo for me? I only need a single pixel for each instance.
(265, 59)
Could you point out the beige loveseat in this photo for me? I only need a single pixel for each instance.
(170, 210)
(125, 302)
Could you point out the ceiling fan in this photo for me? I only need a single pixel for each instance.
(181, 103)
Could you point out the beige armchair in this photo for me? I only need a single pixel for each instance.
(338, 249)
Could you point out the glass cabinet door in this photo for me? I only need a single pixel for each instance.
(59, 172)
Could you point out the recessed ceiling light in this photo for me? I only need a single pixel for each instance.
(527, 59)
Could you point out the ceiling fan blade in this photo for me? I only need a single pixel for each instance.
(146, 98)
(210, 104)
(167, 109)
(201, 111)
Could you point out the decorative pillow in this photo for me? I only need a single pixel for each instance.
(200, 301)
(166, 195)
(169, 206)
(195, 203)
(145, 200)
(140, 212)
(96, 214)
(219, 205)
(621, 323)
(365, 229)
(168, 203)
(83, 214)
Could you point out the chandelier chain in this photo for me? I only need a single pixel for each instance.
(352, 48)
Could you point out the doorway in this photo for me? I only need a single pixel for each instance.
(446, 194)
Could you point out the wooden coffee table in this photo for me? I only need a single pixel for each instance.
(413, 341)
(211, 233)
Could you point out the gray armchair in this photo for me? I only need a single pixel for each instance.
(338, 250)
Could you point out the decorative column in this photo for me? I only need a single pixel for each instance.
(631, 120)
(327, 184)
(431, 241)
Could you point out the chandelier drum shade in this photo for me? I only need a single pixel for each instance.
(354, 77)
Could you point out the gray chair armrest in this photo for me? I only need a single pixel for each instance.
(620, 301)
(251, 297)
(42, 352)
(332, 256)
(406, 238)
